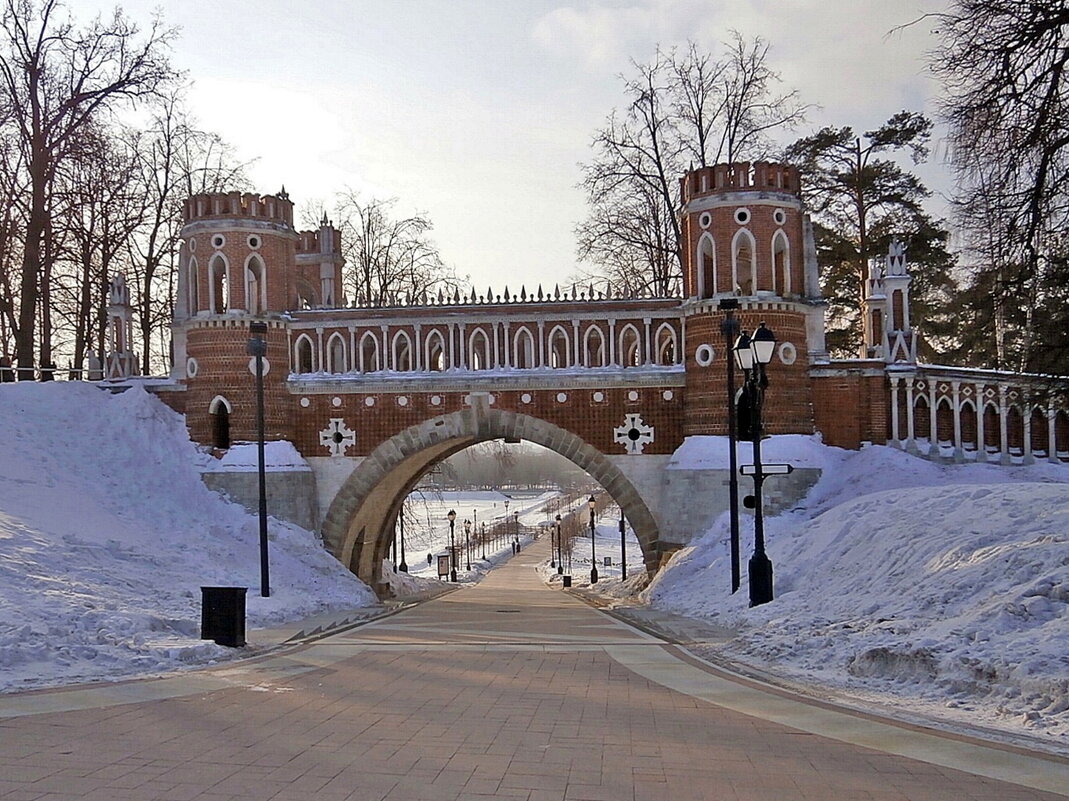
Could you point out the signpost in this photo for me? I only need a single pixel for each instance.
(443, 565)
(767, 469)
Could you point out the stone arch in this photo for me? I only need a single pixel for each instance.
(358, 526)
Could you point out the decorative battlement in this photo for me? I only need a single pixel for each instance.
(741, 176)
(324, 241)
(278, 208)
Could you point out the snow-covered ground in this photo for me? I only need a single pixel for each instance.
(107, 534)
(932, 587)
(921, 585)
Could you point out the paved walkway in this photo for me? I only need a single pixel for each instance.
(503, 690)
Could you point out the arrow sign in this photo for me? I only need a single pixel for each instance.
(767, 469)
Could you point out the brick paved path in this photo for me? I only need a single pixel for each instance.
(504, 690)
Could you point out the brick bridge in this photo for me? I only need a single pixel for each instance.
(628, 388)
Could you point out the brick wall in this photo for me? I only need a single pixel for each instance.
(788, 400)
(851, 405)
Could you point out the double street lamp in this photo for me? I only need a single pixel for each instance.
(593, 557)
(752, 354)
(452, 516)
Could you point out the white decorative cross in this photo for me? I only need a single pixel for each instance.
(634, 434)
(337, 436)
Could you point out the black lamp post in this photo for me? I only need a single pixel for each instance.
(553, 547)
(623, 551)
(452, 516)
(257, 348)
(593, 556)
(516, 530)
(403, 567)
(467, 545)
(729, 327)
(752, 354)
(560, 550)
(482, 536)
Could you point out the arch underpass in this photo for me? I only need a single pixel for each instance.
(359, 523)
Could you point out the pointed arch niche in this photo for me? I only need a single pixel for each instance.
(630, 347)
(781, 263)
(594, 351)
(304, 355)
(479, 351)
(218, 284)
(401, 352)
(336, 356)
(434, 351)
(706, 264)
(559, 350)
(369, 353)
(667, 347)
(255, 285)
(744, 263)
(523, 352)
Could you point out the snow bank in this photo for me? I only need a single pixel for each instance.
(909, 579)
(107, 534)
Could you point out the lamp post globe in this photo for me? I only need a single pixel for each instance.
(593, 556)
(452, 517)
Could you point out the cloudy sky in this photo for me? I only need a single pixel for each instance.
(478, 112)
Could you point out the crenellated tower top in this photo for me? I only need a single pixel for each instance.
(275, 208)
(739, 177)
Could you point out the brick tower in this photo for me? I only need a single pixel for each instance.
(241, 260)
(745, 237)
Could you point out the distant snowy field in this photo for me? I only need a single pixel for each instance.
(107, 534)
(925, 586)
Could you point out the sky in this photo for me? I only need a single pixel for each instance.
(478, 113)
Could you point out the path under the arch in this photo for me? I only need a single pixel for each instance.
(505, 689)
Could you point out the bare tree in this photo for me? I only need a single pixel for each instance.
(682, 109)
(57, 80)
(173, 160)
(1004, 64)
(388, 259)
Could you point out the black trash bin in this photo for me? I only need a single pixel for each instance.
(567, 581)
(222, 615)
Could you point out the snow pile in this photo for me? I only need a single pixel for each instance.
(905, 579)
(107, 534)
